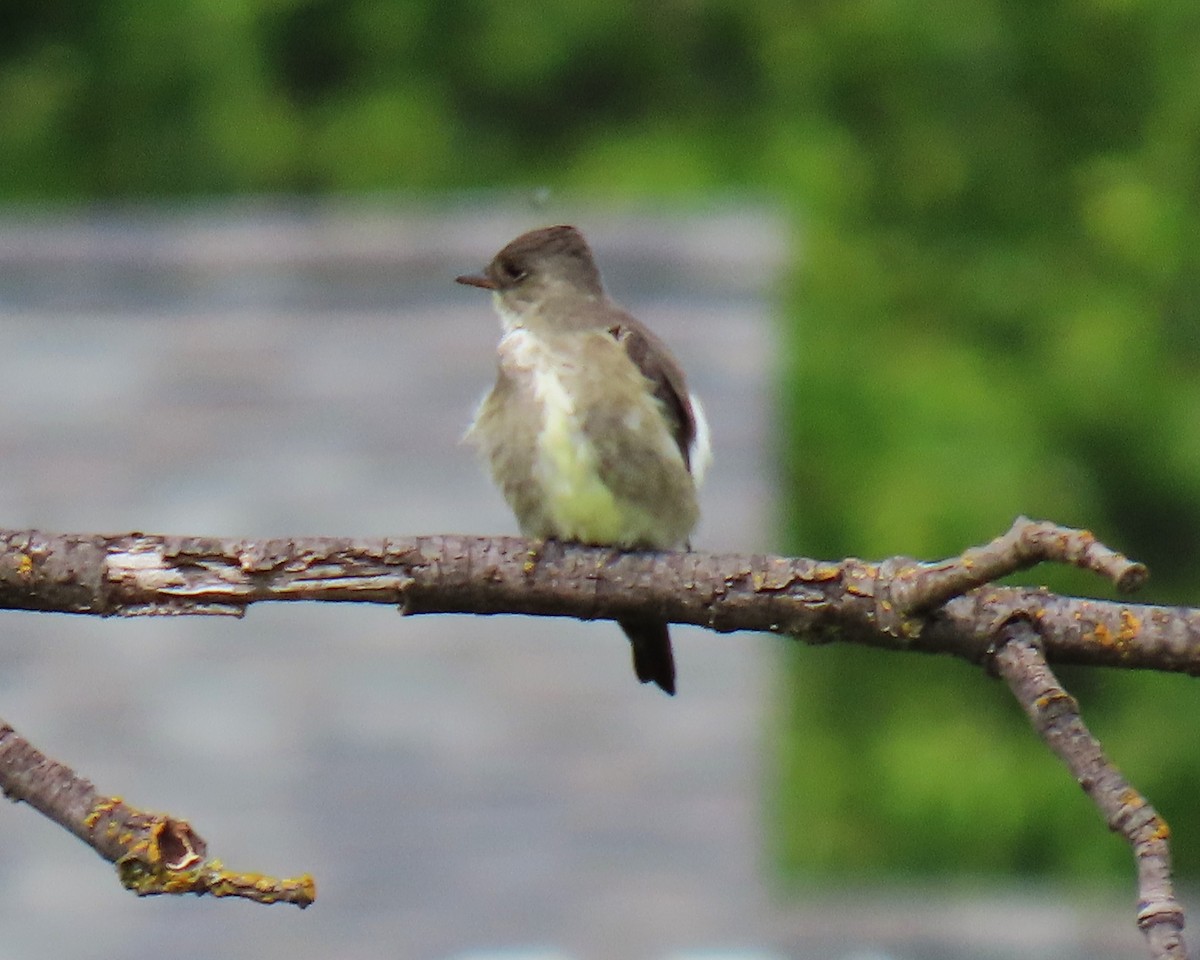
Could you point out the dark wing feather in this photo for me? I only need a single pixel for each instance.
(654, 360)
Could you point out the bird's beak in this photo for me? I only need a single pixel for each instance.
(476, 280)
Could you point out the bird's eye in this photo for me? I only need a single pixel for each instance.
(510, 273)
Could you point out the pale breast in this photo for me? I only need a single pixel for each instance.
(601, 465)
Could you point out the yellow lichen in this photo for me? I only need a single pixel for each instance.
(146, 879)
(825, 571)
(1120, 641)
(102, 808)
(1130, 627)
(1131, 798)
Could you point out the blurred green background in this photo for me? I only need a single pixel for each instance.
(992, 309)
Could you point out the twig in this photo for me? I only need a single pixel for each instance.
(1026, 544)
(154, 853)
(1055, 716)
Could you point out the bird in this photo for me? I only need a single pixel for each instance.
(590, 431)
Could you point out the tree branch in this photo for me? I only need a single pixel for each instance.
(1055, 715)
(1025, 545)
(946, 607)
(154, 853)
(892, 604)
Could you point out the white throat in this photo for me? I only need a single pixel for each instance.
(510, 320)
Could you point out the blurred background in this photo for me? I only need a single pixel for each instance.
(930, 266)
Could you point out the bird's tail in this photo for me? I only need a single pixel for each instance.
(652, 657)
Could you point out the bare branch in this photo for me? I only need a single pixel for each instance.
(852, 601)
(1055, 715)
(948, 607)
(154, 853)
(1027, 543)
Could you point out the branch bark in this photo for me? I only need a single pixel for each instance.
(154, 853)
(1055, 716)
(950, 607)
(946, 607)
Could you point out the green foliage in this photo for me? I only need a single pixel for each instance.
(993, 309)
(997, 317)
(134, 98)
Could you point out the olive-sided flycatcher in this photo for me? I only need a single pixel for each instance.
(590, 430)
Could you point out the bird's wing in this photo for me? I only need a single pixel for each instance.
(651, 356)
